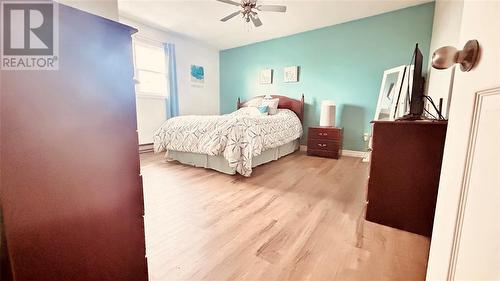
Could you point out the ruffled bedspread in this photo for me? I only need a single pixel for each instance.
(237, 136)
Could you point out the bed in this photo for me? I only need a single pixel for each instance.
(236, 142)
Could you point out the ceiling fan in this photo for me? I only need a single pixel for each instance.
(249, 8)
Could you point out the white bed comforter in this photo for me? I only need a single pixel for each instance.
(237, 136)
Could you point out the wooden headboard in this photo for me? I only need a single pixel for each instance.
(285, 102)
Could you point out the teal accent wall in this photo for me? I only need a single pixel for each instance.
(343, 62)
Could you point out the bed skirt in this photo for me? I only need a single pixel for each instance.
(219, 163)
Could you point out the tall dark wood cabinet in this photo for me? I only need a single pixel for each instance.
(404, 173)
(71, 190)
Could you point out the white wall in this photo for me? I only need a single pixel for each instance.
(192, 99)
(103, 8)
(151, 113)
(445, 32)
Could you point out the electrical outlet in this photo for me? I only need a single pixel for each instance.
(366, 137)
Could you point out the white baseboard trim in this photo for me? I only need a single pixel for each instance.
(354, 153)
(345, 152)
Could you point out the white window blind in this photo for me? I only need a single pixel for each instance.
(150, 68)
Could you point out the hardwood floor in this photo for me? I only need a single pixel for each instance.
(298, 218)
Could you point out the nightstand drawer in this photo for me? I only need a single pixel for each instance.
(324, 133)
(328, 145)
(323, 153)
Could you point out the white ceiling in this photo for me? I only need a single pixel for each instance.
(200, 19)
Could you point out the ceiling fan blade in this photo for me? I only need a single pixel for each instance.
(230, 2)
(230, 16)
(256, 21)
(272, 8)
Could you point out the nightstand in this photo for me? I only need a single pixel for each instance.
(324, 142)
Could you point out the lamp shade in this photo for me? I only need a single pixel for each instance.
(327, 117)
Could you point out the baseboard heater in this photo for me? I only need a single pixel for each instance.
(146, 147)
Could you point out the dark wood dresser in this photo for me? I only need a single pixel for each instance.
(404, 173)
(71, 194)
(324, 142)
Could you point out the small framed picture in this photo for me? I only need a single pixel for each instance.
(266, 76)
(197, 74)
(389, 93)
(291, 74)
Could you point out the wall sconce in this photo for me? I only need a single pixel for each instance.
(446, 57)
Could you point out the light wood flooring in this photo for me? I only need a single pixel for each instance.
(298, 218)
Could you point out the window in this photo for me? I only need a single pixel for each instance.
(150, 68)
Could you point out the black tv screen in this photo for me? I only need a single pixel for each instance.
(417, 91)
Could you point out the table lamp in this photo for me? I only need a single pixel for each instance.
(327, 117)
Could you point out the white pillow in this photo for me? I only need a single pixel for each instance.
(272, 104)
(254, 102)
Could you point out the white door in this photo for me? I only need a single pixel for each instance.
(466, 239)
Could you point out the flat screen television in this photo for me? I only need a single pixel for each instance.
(417, 90)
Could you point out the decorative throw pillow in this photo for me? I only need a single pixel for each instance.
(263, 109)
(272, 104)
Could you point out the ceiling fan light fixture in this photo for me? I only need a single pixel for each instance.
(248, 10)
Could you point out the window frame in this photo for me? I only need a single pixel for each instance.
(140, 40)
